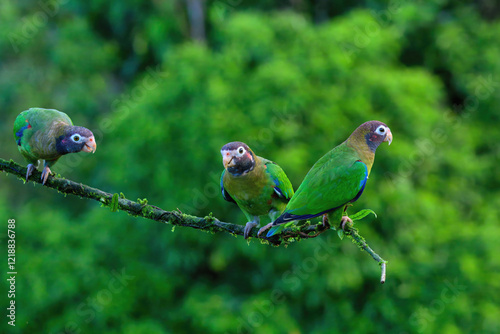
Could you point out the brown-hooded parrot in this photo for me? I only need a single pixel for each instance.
(258, 186)
(335, 180)
(48, 134)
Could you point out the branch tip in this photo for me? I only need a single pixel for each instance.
(383, 267)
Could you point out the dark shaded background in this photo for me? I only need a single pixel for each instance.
(164, 84)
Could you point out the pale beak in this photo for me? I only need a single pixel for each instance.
(388, 136)
(227, 159)
(90, 146)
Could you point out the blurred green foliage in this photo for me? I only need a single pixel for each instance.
(292, 80)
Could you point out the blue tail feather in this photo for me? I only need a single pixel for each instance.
(274, 230)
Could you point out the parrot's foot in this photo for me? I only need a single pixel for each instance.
(326, 223)
(264, 229)
(45, 174)
(248, 227)
(31, 168)
(345, 220)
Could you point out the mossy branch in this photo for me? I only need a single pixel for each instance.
(361, 243)
(142, 209)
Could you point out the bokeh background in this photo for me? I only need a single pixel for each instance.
(164, 84)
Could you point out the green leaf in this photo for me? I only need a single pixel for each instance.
(362, 214)
(114, 203)
(340, 233)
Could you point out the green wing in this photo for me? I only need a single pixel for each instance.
(336, 179)
(20, 126)
(40, 118)
(36, 120)
(283, 187)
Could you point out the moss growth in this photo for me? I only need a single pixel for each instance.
(142, 201)
(148, 212)
(210, 218)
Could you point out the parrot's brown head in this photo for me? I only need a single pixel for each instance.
(76, 139)
(373, 133)
(238, 158)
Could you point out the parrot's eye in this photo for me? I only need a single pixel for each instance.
(75, 138)
(241, 150)
(380, 130)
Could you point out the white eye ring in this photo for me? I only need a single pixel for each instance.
(241, 151)
(381, 130)
(76, 138)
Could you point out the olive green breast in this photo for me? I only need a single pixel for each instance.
(254, 191)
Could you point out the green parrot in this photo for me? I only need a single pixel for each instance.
(335, 180)
(258, 186)
(48, 134)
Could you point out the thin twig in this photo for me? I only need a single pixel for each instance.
(361, 243)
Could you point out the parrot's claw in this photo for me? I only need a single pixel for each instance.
(345, 221)
(326, 223)
(31, 168)
(248, 228)
(45, 174)
(264, 228)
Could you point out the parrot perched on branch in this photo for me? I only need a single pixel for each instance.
(48, 134)
(258, 186)
(335, 180)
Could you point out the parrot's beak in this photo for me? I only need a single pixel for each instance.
(388, 136)
(90, 146)
(227, 159)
